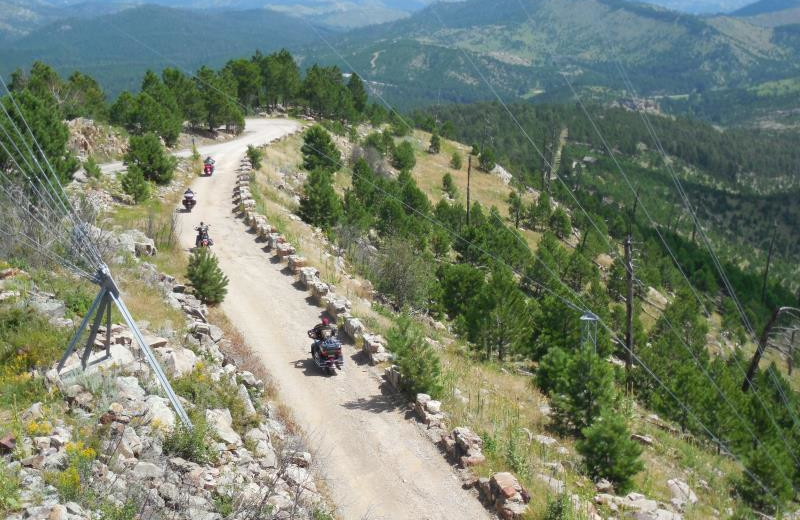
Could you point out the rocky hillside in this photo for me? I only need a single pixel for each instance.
(104, 443)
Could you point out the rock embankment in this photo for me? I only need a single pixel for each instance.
(111, 441)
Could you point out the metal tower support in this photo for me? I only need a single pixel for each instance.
(108, 294)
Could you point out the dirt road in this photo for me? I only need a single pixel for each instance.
(377, 463)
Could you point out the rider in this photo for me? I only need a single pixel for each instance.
(209, 160)
(318, 332)
(202, 232)
(188, 194)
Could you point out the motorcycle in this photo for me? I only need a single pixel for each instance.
(189, 202)
(203, 240)
(208, 169)
(327, 352)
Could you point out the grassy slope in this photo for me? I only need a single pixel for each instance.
(492, 399)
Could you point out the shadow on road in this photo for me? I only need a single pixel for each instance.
(387, 401)
(308, 367)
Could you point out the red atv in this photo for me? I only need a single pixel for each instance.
(208, 169)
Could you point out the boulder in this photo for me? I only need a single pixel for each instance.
(353, 327)
(145, 470)
(159, 413)
(128, 388)
(244, 396)
(682, 494)
(178, 361)
(296, 263)
(285, 250)
(338, 306)
(644, 440)
(221, 423)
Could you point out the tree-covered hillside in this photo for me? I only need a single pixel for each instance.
(740, 182)
(117, 49)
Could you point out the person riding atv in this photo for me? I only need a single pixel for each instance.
(322, 331)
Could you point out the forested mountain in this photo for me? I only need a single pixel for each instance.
(744, 184)
(116, 49)
(20, 17)
(523, 52)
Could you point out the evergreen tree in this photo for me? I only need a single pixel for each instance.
(357, 93)
(122, 109)
(319, 150)
(609, 452)
(403, 158)
(247, 76)
(560, 223)
(487, 160)
(146, 153)
(187, 96)
(320, 205)
(449, 186)
(552, 375)
(590, 388)
(91, 168)
(418, 362)
(455, 161)
(403, 274)
(85, 98)
(209, 282)
(46, 125)
(256, 155)
(500, 318)
(770, 465)
(160, 113)
(515, 207)
(436, 144)
(135, 185)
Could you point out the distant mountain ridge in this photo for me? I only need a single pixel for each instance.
(117, 48)
(664, 52)
(766, 6)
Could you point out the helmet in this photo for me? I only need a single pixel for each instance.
(325, 320)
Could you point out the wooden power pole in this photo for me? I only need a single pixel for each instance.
(469, 174)
(629, 310)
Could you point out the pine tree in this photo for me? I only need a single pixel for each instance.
(609, 452)
(590, 389)
(515, 207)
(320, 205)
(255, 155)
(551, 376)
(134, 184)
(487, 160)
(209, 282)
(147, 153)
(418, 362)
(91, 168)
(560, 223)
(436, 144)
(448, 186)
(358, 93)
(403, 157)
(456, 162)
(770, 464)
(319, 150)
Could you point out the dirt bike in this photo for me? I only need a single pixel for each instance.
(327, 352)
(189, 203)
(208, 169)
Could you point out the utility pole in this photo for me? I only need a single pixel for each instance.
(629, 311)
(769, 260)
(469, 174)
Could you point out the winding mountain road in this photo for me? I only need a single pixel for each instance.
(377, 463)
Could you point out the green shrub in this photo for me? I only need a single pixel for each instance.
(9, 490)
(209, 282)
(255, 155)
(224, 505)
(436, 144)
(92, 169)
(198, 387)
(609, 452)
(149, 156)
(449, 186)
(72, 482)
(191, 443)
(135, 184)
(418, 362)
(403, 157)
(487, 160)
(320, 205)
(456, 162)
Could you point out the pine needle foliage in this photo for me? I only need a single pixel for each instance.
(209, 282)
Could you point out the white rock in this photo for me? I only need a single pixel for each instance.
(220, 421)
(159, 413)
(129, 388)
(177, 361)
(249, 409)
(682, 494)
(147, 470)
